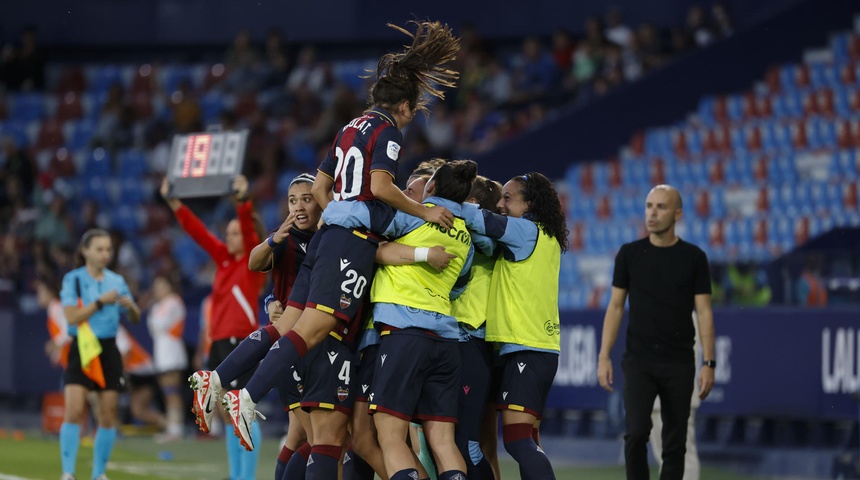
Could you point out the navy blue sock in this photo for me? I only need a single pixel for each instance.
(408, 474)
(323, 462)
(481, 471)
(285, 353)
(283, 458)
(534, 464)
(355, 468)
(452, 475)
(247, 354)
(297, 466)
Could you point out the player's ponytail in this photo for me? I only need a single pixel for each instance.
(487, 192)
(544, 206)
(453, 180)
(419, 68)
(86, 240)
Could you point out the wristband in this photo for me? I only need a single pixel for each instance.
(271, 241)
(421, 254)
(99, 304)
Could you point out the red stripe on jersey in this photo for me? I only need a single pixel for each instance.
(371, 145)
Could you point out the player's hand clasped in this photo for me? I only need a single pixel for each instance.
(440, 215)
(276, 309)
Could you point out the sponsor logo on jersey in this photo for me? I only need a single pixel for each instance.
(304, 247)
(521, 366)
(332, 356)
(466, 389)
(364, 388)
(504, 395)
(552, 328)
(344, 263)
(345, 302)
(382, 358)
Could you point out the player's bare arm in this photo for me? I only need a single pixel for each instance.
(611, 325)
(705, 318)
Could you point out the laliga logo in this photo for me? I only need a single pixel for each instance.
(840, 360)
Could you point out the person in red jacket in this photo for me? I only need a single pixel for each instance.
(235, 291)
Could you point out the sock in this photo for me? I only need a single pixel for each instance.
(283, 458)
(355, 468)
(477, 467)
(247, 354)
(234, 449)
(285, 353)
(408, 474)
(323, 462)
(297, 466)
(70, 440)
(452, 475)
(102, 446)
(534, 464)
(248, 460)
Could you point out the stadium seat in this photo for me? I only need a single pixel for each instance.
(50, 135)
(26, 107)
(133, 164)
(17, 130)
(102, 77)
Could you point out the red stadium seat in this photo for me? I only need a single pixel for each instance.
(586, 177)
(245, 105)
(760, 170)
(216, 74)
(143, 80)
(702, 204)
(50, 135)
(615, 174)
(604, 208)
(850, 197)
(798, 134)
(657, 170)
(637, 143)
(824, 102)
(142, 105)
(716, 172)
(760, 236)
(847, 74)
(69, 106)
(716, 233)
(71, 80)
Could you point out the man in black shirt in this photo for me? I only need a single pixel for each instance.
(666, 279)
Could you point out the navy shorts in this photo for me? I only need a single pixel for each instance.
(328, 377)
(219, 351)
(526, 380)
(476, 356)
(417, 376)
(291, 387)
(366, 366)
(111, 361)
(341, 268)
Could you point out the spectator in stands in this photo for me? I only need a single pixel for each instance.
(681, 41)
(242, 59)
(698, 28)
(126, 261)
(54, 225)
(277, 60)
(562, 50)
(659, 361)
(187, 116)
(16, 164)
(31, 62)
(308, 72)
(722, 20)
(650, 47)
(535, 74)
(616, 31)
(809, 287)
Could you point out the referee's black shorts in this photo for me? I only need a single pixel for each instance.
(111, 366)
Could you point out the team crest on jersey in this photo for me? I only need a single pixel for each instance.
(393, 150)
(345, 302)
(342, 393)
(300, 388)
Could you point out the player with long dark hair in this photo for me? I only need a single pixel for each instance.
(360, 166)
(533, 234)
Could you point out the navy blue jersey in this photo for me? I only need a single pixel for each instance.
(287, 257)
(368, 143)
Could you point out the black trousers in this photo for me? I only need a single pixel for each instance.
(644, 380)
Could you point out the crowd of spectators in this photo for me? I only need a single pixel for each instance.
(291, 100)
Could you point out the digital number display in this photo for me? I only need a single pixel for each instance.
(196, 156)
(204, 164)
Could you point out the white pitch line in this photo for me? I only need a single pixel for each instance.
(3, 476)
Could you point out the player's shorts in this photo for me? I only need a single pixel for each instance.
(139, 381)
(111, 361)
(341, 262)
(526, 381)
(366, 365)
(169, 354)
(291, 387)
(219, 351)
(328, 377)
(476, 357)
(417, 376)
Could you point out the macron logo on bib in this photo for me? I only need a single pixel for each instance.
(393, 150)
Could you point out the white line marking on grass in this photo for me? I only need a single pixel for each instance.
(165, 469)
(3, 476)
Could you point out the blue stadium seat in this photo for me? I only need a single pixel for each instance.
(272, 216)
(706, 109)
(170, 76)
(133, 164)
(98, 163)
(839, 46)
(211, 106)
(95, 189)
(823, 75)
(27, 107)
(17, 130)
(102, 77)
(284, 180)
(125, 219)
(132, 191)
(735, 107)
